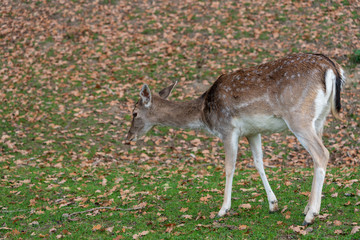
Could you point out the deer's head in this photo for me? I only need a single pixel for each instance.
(147, 111)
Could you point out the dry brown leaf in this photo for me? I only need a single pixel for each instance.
(323, 216)
(337, 223)
(15, 232)
(242, 227)
(305, 194)
(355, 229)
(205, 198)
(184, 209)
(104, 182)
(196, 142)
(213, 215)
(245, 206)
(96, 227)
(141, 205)
(162, 219)
(338, 231)
(143, 233)
(298, 229)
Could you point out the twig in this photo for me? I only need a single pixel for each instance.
(12, 211)
(67, 215)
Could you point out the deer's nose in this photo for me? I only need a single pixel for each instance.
(130, 137)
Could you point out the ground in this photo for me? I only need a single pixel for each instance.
(70, 74)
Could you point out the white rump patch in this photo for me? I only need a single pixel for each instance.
(322, 100)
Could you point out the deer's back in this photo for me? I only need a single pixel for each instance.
(268, 90)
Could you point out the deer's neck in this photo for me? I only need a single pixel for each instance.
(183, 114)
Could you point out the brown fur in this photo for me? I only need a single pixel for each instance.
(284, 80)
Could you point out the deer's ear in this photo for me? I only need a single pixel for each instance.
(145, 95)
(166, 91)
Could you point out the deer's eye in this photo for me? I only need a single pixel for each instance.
(134, 115)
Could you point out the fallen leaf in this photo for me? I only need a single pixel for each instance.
(323, 216)
(284, 209)
(162, 219)
(206, 198)
(58, 165)
(305, 194)
(143, 233)
(242, 227)
(245, 206)
(187, 216)
(32, 202)
(5, 228)
(337, 223)
(196, 142)
(66, 232)
(104, 182)
(338, 231)
(96, 227)
(169, 229)
(184, 209)
(213, 215)
(141, 205)
(298, 229)
(34, 223)
(355, 229)
(15, 232)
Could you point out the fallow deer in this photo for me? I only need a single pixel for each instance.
(295, 92)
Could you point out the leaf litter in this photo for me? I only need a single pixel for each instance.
(70, 73)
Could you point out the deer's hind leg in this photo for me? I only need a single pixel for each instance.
(308, 136)
(322, 111)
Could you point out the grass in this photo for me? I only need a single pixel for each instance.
(355, 57)
(177, 202)
(66, 96)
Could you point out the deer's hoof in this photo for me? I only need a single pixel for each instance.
(305, 223)
(274, 207)
(222, 213)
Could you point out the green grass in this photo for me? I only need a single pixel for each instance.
(355, 57)
(177, 202)
(68, 85)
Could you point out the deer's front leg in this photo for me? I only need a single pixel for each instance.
(255, 144)
(231, 147)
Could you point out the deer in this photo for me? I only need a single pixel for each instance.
(296, 92)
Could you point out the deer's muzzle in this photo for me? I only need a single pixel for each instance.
(130, 137)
